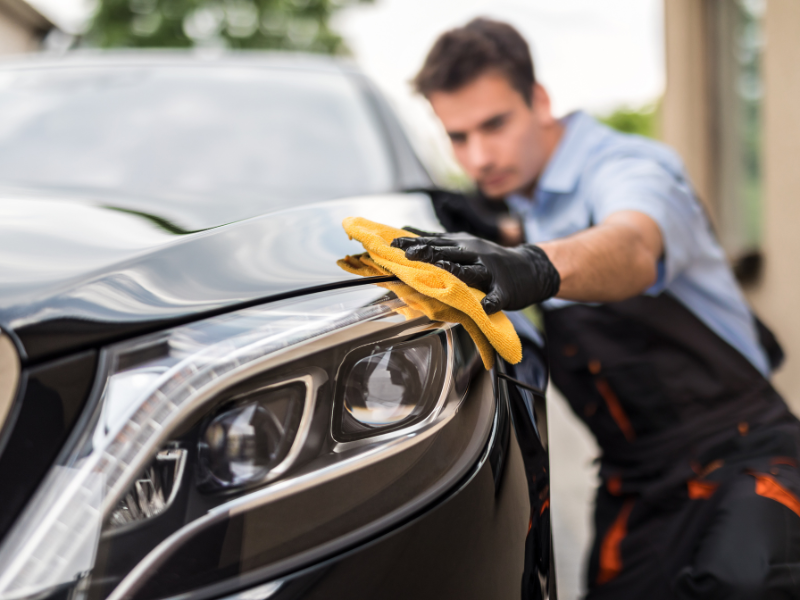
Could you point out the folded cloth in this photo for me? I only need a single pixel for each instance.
(440, 295)
(417, 303)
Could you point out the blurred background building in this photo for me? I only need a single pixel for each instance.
(22, 27)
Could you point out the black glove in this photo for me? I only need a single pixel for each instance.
(511, 278)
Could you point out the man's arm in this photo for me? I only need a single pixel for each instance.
(612, 261)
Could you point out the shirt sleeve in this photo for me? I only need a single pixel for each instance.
(643, 185)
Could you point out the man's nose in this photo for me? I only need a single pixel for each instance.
(478, 153)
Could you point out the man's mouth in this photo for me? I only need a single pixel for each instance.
(494, 180)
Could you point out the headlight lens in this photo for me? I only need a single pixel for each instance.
(215, 423)
(386, 385)
(246, 441)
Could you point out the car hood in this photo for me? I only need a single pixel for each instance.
(78, 275)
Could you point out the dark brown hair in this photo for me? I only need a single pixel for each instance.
(461, 55)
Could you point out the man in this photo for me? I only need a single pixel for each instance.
(649, 336)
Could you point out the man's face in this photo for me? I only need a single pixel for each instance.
(501, 142)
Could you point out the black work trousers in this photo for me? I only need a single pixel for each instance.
(730, 532)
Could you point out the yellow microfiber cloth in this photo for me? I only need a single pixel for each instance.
(440, 295)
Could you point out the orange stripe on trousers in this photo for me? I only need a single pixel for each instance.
(701, 490)
(610, 553)
(615, 408)
(768, 487)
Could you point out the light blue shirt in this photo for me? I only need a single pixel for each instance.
(595, 172)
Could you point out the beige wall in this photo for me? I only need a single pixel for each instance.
(21, 27)
(14, 38)
(777, 296)
(684, 111)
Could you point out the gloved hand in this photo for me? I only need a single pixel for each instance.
(511, 278)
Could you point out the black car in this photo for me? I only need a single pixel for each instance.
(195, 400)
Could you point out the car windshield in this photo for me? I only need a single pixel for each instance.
(200, 145)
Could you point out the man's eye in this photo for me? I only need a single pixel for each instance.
(494, 124)
(457, 138)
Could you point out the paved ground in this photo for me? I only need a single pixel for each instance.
(573, 477)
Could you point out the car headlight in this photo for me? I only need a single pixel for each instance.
(247, 443)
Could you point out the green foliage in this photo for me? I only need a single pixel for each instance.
(642, 121)
(242, 24)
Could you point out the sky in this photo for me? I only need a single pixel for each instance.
(591, 55)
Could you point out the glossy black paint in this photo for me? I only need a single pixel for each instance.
(87, 291)
(468, 547)
(528, 413)
(49, 403)
(498, 454)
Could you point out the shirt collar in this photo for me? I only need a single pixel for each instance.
(581, 133)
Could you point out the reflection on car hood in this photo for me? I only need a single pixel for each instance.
(77, 275)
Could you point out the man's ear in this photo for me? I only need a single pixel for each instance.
(541, 104)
